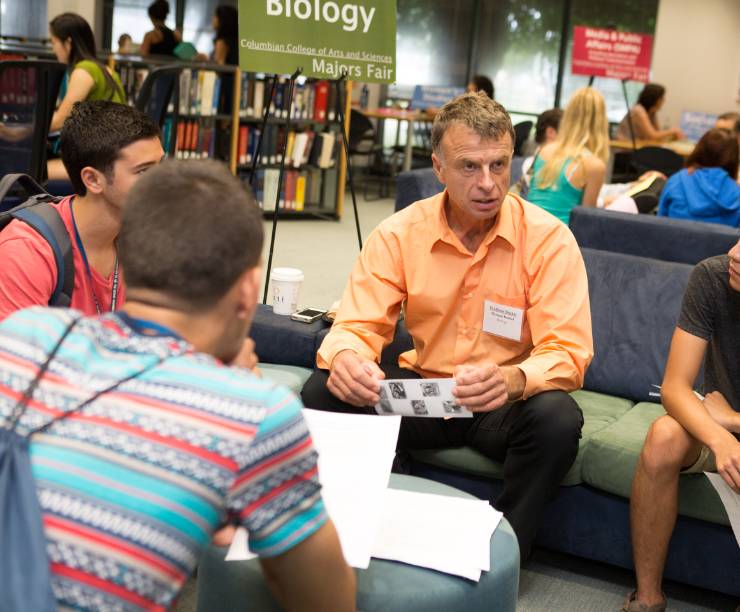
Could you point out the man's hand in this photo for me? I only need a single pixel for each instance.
(247, 358)
(727, 456)
(480, 388)
(354, 379)
(721, 411)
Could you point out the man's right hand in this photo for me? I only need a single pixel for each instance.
(354, 379)
(727, 456)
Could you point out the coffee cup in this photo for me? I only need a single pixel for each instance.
(286, 285)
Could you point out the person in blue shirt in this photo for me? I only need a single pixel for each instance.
(707, 189)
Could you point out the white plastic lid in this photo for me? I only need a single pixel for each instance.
(286, 274)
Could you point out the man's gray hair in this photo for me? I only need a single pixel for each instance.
(477, 111)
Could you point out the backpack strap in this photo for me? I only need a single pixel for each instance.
(24, 180)
(44, 218)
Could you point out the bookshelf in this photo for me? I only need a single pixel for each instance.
(200, 122)
(315, 162)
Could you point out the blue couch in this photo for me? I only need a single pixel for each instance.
(650, 236)
(635, 302)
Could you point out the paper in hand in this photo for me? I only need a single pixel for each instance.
(425, 397)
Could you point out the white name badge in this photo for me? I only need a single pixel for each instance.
(504, 321)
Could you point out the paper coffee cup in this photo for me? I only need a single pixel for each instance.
(286, 284)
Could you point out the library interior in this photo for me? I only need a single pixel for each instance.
(393, 305)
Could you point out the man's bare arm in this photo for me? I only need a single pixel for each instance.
(312, 576)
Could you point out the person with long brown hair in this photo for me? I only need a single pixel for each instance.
(644, 117)
(88, 79)
(570, 171)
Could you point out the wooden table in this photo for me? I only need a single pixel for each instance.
(682, 147)
(410, 116)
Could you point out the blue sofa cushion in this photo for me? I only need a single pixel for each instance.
(416, 185)
(280, 340)
(635, 303)
(676, 240)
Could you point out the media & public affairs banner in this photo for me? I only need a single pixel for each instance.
(613, 54)
(323, 37)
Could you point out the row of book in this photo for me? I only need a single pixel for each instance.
(200, 92)
(195, 139)
(301, 148)
(312, 100)
(17, 86)
(300, 189)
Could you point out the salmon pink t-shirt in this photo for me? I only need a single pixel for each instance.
(28, 271)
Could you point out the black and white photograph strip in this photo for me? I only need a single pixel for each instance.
(430, 398)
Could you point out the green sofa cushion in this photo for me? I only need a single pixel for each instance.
(611, 457)
(289, 376)
(599, 411)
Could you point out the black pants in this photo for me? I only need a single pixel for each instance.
(535, 439)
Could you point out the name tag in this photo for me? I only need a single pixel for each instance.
(504, 321)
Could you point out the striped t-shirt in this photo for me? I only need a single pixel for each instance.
(133, 485)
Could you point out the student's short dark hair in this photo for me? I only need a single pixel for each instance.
(649, 96)
(549, 118)
(94, 134)
(189, 230)
(159, 9)
(483, 83)
(717, 148)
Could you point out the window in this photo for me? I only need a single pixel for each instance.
(27, 19)
(131, 17)
(432, 41)
(518, 47)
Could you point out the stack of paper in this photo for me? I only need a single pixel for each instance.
(448, 534)
(730, 500)
(355, 458)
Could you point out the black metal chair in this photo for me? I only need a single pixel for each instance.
(521, 133)
(161, 87)
(657, 158)
(363, 143)
(28, 95)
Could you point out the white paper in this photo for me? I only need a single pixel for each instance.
(730, 500)
(447, 534)
(420, 397)
(356, 454)
(239, 550)
(502, 320)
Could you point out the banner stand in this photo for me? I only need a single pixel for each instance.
(253, 173)
(629, 110)
(276, 212)
(341, 83)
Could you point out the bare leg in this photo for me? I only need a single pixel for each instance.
(56, 170)
(654, 502)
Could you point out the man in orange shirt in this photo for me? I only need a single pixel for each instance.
(450, 261)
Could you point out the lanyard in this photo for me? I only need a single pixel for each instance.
(114, 289)
(22, 403)
(147, 328)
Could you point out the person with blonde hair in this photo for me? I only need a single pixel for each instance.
(570, 171)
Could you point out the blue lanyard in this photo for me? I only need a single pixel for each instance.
(81, 248)
(147, 328)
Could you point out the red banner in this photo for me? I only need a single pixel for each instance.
(613, 54)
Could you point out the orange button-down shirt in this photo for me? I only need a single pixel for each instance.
(413, 260)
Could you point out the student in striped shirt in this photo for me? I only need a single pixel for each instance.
(149, 436)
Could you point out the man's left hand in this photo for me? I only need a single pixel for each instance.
(480, 388)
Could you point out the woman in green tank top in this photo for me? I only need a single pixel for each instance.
(570, 171)
(74, 44)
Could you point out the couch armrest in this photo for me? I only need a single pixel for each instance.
(280, 340)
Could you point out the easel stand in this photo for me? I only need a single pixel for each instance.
(253, 172)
